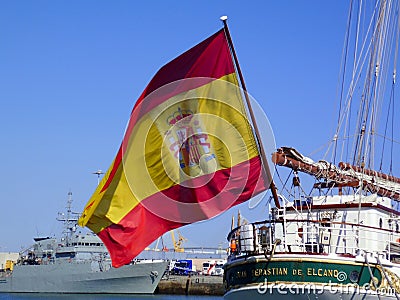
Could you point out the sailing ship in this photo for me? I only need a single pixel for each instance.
(77, 263)
(342, 239)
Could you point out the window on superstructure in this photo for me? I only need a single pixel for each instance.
(326, 222)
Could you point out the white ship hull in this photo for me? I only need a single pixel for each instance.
(289, 292)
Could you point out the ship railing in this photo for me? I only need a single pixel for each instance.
(311, 237)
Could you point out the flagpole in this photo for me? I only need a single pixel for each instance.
(253, 119)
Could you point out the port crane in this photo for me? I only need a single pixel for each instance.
(178, 243)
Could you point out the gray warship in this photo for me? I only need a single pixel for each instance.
(77, 263)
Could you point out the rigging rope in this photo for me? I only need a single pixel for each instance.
(392, 95)
(387, 277)
(386, 126)
(359, 63)
(391, 148)
(343, 74)
(394, 81)
(371, 274)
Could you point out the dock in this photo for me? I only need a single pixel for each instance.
(191, 285)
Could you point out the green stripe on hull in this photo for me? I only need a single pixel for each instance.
(299, 271)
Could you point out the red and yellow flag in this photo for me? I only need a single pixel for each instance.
(188, 154)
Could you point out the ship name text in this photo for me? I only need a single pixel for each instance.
(317, 272)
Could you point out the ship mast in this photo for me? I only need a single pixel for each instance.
(373, 59)
(69, 220)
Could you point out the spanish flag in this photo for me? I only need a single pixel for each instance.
(188, 154)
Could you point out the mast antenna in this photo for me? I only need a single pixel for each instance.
(98, 173)
(69, 219)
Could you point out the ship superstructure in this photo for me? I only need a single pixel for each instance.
(77, 263)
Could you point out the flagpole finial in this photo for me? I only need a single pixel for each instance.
(224, 18)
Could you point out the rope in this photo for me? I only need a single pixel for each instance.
(386, 126)
(391, 148)
(394, 81)
(345, 54)
(277, 242)
(284, 183)
(387, 278)
(371, 275)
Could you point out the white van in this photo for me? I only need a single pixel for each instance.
(219, 270)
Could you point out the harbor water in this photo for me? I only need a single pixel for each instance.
(103, 297)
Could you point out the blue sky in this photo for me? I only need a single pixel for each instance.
(71, 71)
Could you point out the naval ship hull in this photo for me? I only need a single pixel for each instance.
(140, 278)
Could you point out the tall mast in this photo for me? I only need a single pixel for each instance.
(69, 219)
(253, 119)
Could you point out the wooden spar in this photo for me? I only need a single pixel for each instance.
(337, 179)
(332, 184)
(369, 172)
(253, 119)
(281, 159)
(381, 191)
